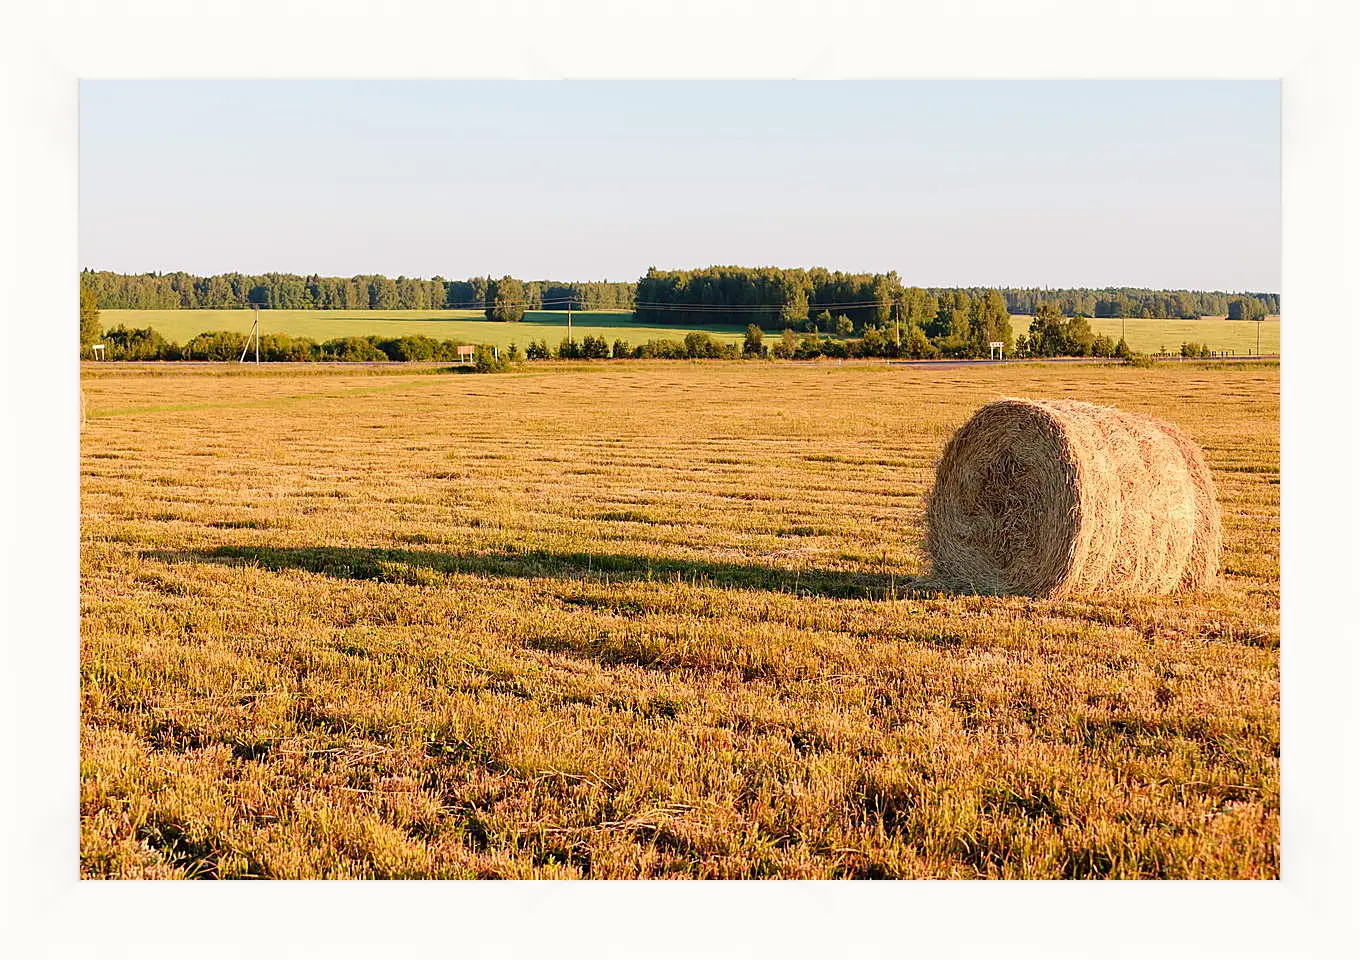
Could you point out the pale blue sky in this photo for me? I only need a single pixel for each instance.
(1019, 183)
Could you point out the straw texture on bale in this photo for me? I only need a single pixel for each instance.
(1051, 497)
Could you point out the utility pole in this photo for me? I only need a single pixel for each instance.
(1258, 335)
(254, 333)
(569, 339)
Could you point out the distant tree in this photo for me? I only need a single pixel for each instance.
(1078, 340)
(538, 350)
(1102, 346)
(992, 324)
(1244, 308)
(1121, 349)
(874, 342)
(382, 294)
(439, 294)
(918, 345)
(594, 348)
(790, 289)
(506, 300)
(753, 345)
(844, 326)
(809, 347)
(883, 289)
(89, 318)
(1052, 335)
(568, 349)
(787, 345)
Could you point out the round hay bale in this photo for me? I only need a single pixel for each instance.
(1052, 497)
(1201, 568)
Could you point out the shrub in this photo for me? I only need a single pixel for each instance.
(352, 350)
(622, 350)
(809, 347)
(787, 345)
(282, 348)
(594, 348)
(538, 350)
(120, 343)
(753, 346)
(216, 345)
(569, 350)
(662, 350)
(701, 345)
(413, 348)
(918, 345)
(955, 347)
(485, 359)
(873, 343)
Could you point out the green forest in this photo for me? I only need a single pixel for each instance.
(289, 291)
(779, 297)
(817, 312)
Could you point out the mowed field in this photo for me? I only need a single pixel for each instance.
(469, 326)
(1144, 336)
(642, 619)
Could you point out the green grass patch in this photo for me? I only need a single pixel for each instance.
(466, 325)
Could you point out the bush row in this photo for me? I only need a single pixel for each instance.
(1069, 337)
(121, 343)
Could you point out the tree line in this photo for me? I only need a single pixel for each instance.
(889, 318)
(769, 296)
(820, 313)
(777, 297)
(289, 291)
(1140, 303)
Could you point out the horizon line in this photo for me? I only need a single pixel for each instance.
(904, 283)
